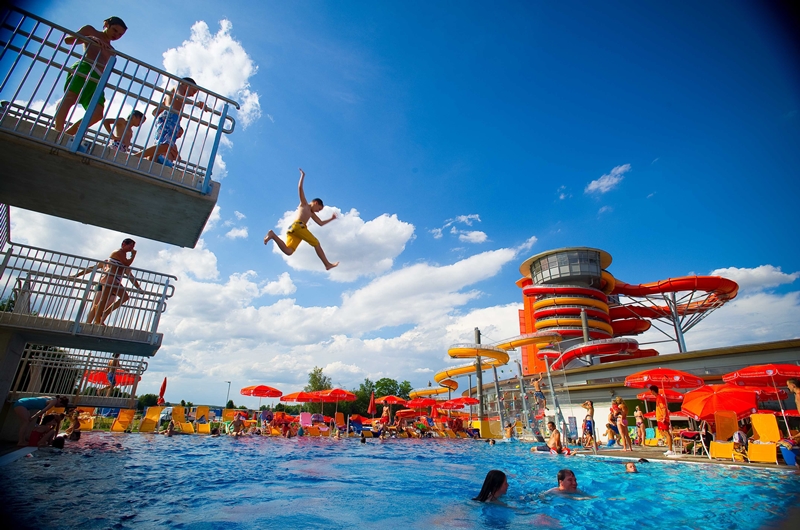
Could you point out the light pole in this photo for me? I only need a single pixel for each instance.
(228, 396)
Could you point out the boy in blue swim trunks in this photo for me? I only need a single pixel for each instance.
(169, 119)
(83, 76)
(298, 232)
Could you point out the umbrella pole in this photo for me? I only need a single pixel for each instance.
(780, 402)
(703, 440)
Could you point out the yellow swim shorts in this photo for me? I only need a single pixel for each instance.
(297, 233)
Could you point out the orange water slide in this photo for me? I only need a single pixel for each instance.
(719, 290)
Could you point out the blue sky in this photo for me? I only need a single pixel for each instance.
(410, 117)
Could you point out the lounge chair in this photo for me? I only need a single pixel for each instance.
(650, 438)
(340, 423)
(305, 419)
(179, 419)
(201, 420)
(150, 420)
(123, 420)
(765, 447)
(726, 424)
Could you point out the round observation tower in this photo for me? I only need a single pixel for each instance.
(565, 283)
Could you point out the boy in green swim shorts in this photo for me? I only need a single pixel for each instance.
(83, 77)
(299, 232)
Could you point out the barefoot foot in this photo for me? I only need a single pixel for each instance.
(269, 236)
(329, 266)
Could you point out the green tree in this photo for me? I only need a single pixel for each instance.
(147, 400)
(317, 381)
(183, 403)
(386, 387)
(230, 405)
(7, 304)
(404, 389)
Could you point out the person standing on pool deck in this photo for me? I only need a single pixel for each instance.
(589, 406)
(622, 424)
(299, 231)
(24, 409)
(84, 75)
(495, 485)
(662, 418)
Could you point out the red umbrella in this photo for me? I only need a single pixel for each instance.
(371, 409)
(335, 395)
(450, 405)
(788, 413)
(406, 413)
(161, 392)
(763, 375)
(391, 400)
(419, 403)
(663, 378)
(300, 397)
(671, 395)
(465, 401)
(122, 378)
(261, 391)
(679, 414)
(701, 404)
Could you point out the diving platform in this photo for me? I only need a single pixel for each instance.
(46, 298)
(145, 180)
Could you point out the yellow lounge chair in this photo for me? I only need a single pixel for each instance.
(202, 413)
(123, 420)
(150, 420)
(450, 433)
(86, 418)
(726, 424)
(179, 419)
(311, 430)
(765, 426)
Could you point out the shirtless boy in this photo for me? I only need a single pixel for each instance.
(121, 130)
(299, 231)
(84, 75)
(553, 443)
(168, 127)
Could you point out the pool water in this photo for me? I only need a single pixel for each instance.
(147, 481)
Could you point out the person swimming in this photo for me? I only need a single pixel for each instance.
(495, 485)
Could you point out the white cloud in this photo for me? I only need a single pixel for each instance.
(605, 209)
(423, 371)
(468, 219)
(282, 286)
(213, 219)
(217, 62)
(475, 236)
(437, 233)
(362, 248)
(527, 245)
(609, 181)
(237, 233)
(239, 215)
(758, 278)
(562, 193)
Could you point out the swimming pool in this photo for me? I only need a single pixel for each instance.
(147, 481)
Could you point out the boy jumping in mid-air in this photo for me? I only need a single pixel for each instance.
(299, 232)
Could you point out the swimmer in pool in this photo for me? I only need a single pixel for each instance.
(567, 485)
(495, 486)
(630, 467)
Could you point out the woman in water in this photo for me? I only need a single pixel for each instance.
(494, 486)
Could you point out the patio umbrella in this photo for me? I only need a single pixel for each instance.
(677, 414)
(702, 403)
(765, 375)
(671, 395)
(465, 401)
(261, 391)
(122, 378)
(391, 400)
(371, 409)
(419, 403)
(161, 392)
(337, 394)
(450, 405)
(788, 413)
(663, 378)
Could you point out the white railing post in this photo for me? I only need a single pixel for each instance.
(76, 325)
(159, 309)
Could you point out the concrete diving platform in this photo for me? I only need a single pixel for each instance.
(135, 156)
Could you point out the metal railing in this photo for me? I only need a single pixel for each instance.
(83, 375)
(53, 291)
(35, 61)
(5, 226)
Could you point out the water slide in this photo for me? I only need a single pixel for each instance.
(492, 355)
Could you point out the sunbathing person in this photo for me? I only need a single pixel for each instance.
(554, 445)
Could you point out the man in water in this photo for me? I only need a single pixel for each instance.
(567, 484)
(553, 443)
(299, 231)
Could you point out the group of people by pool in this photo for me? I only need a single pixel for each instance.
(40, 429)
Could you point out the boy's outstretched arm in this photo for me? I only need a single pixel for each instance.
(319, 221)
(300, 188)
